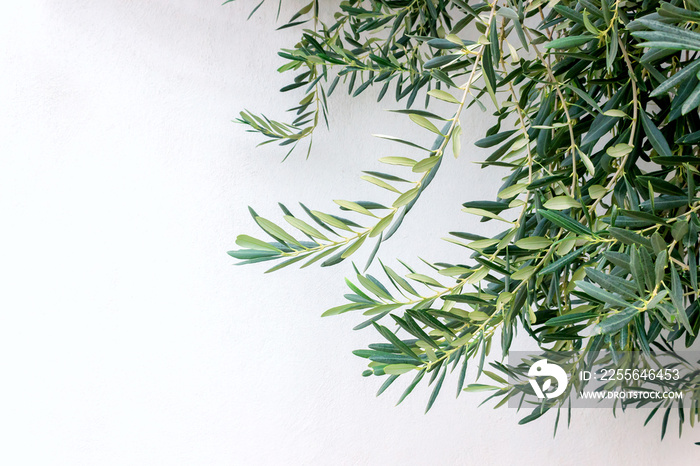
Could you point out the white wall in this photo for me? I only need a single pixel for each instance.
(127, 335)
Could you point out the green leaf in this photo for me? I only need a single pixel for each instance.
(657, 140)
(425, 123)
(677, 298)
(380, 183)
(615, 322)
(304, 227)
(619, 150)
(456, 140)
(402, 141)
(411, 386)
(398, 369)
(494, 139)
(404, 161)
(612, 283)
(562, 203)
(381, 225)
(569, 319)
(601, 294)
(276, 232)
(246, 241)
(563, 261)
(331, 220)
(355, 207)
(480, 387)
(406, 197)
(442, 95)
(425, 164)
(566, 222)
(394, 340)
(464, 298)
(534, 242)
(353, 247)
(424, 279)
(437, 388)
(568, 42)
(628, 237)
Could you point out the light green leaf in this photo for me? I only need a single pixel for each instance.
(442, 95)
(562, 203)
(533, 242)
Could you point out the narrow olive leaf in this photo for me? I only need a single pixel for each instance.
(657, 140)
(456, 140)
(442, 95)
(562, 203)
(568, 42)
(601, 295)
(536, 413)
(402, 141)
(569, 319)
(386, 384)
(276, 232)
(462, 376)
(612, 283)
(353, 247)
(534, 243)
(425, 164)
(677, 299)
(331, 220)
(590, 168)
(287, 263)
(406, 197)
(628, 237)
(563, 261)
(246, 241)
(589, 100)
(398, 369)
(615, 322)
(437, 388)
(305, 227)
(380, 183)
(682, 75)
(495, 139)
(404, 161)
(664, 421)
(480, 387)
(424, 279)
(355, 207)
(693, 267)
(566, 222)
(381, 225)
(394, 340)
(464, 298)
(373, 286)
(619, 150)
(660, 267)
(523, 273)
(398, 280)
(424, 122)
(597, 191)
(411, 386)
(513, 190)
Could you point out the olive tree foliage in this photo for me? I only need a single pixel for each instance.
(595, 104)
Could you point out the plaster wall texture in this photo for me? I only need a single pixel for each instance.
(128, 337)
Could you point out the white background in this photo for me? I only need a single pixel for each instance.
(127, 334)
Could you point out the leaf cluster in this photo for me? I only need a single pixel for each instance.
(595, 109)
